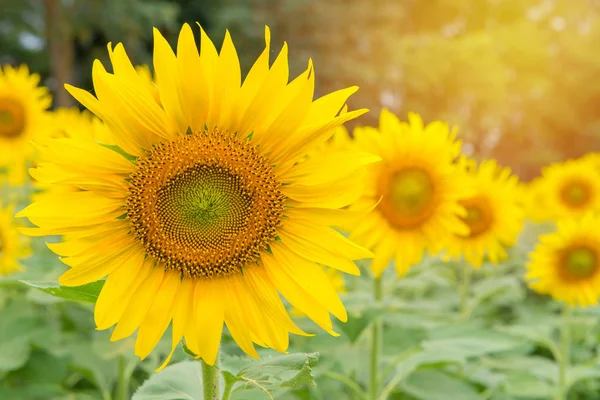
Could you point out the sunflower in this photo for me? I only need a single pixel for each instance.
(202, 214)
(13, 246)
(534, 200)
(571, 188)
(566, 263)
(494, 215)
(68, 122)
(419, 188)
(23, 106)
(72, 122)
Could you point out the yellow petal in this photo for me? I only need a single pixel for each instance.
(138, 306)
(159, 315)
(311, 277)
(297, 295)
(209, 314)
(118, 289)
(87, 269)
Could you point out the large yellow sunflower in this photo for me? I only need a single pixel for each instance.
(494, 215)
(13, 246)
(566, 263)
(203, 213)
(22, 118)
(419, 187)
(571, 188)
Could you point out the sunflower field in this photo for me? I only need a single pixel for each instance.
(301, 199)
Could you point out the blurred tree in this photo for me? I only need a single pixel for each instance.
(517, 76)
(60, 38)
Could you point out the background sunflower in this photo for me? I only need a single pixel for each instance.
(494, 215)
(22, 118)
(566, 263)
(418, 188)
(13, 246)
(570, 188)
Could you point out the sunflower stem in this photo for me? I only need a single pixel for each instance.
(376, 340)
(565, 353)
(210, 380)
(228, 389)
(465, 290)
(122, 380)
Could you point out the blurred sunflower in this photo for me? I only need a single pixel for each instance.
(419, 188)
(535, 200)
(13, 246)
(494, 215)
(72, 122)
(23, 106)
(566, 263)
(203, 212)
(572, 188)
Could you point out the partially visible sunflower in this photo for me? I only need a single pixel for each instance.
(23, 106)
(592, 158)
(72, 122)
(13, 246)
(208, 209)
(535, 200)
(571, 188)
(494, 216)
(566, 264)
(418, 186)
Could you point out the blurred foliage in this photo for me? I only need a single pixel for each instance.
(504, 348)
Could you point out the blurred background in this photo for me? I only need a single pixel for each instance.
(520, 78)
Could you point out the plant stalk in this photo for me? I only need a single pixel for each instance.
(122, 380)
(565, 353)
(376, 341)
(210, 380)
(465, 290)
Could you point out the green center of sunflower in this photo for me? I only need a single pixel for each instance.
(576, 193)
(12, 118)
(580, 262)
(408, 197)
(479, 218)
(206, 205)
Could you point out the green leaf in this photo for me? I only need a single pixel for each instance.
(92, 366)
(17, 328)
(536, 334)
(86, 293)
(540, 367)
(474, 344)
(429, 384)
(268, 374)
(523, 385)
(582, 372)
(181, 381)
(34, 391)
(488, 289)
(362, 312)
